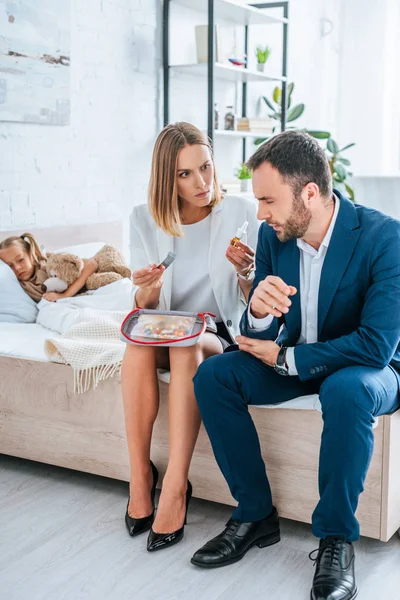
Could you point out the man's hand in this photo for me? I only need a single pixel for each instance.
(271, 297)
(52, 296)
(264, 350)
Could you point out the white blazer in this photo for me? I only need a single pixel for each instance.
(149, 245)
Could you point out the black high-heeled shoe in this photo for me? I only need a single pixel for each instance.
(136, 526)
(158, 541)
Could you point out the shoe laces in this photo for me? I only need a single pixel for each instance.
(331, 549)
(231, 526)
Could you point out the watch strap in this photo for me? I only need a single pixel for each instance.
(281, 358)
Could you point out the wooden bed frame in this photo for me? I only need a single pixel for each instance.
(42, 419)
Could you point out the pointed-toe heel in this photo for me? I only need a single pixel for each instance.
(137, 526)
(158, 541)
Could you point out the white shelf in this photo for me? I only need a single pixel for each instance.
(226, 71)
(234, 11)
(240, 134)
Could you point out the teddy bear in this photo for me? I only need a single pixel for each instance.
(63, 269)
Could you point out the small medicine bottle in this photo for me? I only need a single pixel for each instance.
(240, 234)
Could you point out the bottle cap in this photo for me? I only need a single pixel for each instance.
(242, 230)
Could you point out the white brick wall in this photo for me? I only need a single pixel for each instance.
(97, 168)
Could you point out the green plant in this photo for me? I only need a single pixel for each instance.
(338, 164)
(292, 113)
(243, 172)
(262, 54)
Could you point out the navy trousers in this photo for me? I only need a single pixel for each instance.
(226, 384)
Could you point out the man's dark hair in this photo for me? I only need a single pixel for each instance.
(299, 159)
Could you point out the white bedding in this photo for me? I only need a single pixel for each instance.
(24, 340)
(61, 315)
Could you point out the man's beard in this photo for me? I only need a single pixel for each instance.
(297, 224)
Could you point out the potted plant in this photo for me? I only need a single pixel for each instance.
(262, 54)
(244, 176)
(338, 164)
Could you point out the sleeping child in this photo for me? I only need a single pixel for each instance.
(26, 259)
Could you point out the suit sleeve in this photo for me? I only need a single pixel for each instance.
(376, 339)
(263, 269)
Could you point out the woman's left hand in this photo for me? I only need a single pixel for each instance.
(241, 257)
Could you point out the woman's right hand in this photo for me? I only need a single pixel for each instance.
(149, 278)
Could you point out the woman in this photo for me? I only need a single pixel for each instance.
(187, 215)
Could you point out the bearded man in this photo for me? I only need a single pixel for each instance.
(323, 317)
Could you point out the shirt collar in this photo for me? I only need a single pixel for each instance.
(325, 242)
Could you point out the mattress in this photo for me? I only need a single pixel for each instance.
(310, 402)
(24, 340)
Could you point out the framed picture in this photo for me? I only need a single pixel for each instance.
(35, 61)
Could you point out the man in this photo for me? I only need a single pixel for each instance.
(323, 317)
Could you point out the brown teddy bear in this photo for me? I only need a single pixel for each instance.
(64, 269)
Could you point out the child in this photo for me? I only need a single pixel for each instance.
(26, 259)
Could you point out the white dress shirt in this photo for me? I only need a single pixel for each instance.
(311, 263)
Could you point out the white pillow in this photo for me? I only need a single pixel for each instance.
(15, 305)
(83, 250)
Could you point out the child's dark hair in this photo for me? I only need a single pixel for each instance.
(27, 244)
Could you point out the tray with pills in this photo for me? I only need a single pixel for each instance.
(164, 328)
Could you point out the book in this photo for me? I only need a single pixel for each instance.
(256, 124)
(201, 34)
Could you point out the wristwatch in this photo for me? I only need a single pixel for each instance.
(280, 366)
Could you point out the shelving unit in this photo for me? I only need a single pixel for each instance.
(239, 134)
(222, 71)
(238, 14)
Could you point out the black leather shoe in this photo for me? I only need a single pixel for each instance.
(136, 526)
(158, 541)
(232, 544)
(334, 574)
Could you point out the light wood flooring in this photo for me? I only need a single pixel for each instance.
(62, 537)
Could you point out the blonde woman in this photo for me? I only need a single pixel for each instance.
(186, 214)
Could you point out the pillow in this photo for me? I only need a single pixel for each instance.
(15, 305)
(82, 250)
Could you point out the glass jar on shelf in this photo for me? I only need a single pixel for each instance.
(216, 116)
(230, 119)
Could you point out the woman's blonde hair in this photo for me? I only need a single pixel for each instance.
(163, 190)
(28, 244)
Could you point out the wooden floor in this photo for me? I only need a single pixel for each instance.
(62, 537)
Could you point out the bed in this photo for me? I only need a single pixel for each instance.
(42, 419)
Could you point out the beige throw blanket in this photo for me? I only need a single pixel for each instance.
(92, 346)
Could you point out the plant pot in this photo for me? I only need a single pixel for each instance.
(261, 67)
(245, 185)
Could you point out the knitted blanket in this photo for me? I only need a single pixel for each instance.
(92, 347)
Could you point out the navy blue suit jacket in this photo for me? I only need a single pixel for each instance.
(359, 294)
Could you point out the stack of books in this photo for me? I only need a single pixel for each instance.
(256, 124)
